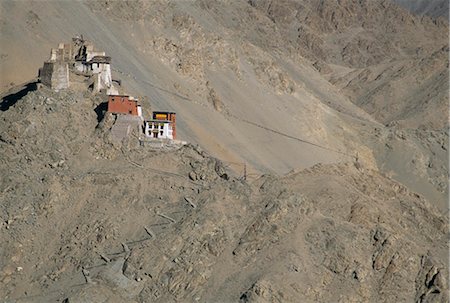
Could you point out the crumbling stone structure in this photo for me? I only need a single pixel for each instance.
(55, 75)
(78, 57)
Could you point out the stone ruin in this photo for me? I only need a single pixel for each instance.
(78, 58)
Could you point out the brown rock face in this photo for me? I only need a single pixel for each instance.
(317, 169)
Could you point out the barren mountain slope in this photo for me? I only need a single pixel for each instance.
(409, 93)
(365, 82)
(350, 42)
(218, 85)
(177, 226)
(252, 79)
(346, 41)
(434, 8)
(390, 63)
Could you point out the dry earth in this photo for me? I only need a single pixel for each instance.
(435, 8)
(251, 78)
(178, 226)
(338, 108)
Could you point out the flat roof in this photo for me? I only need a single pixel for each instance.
(162, 112)
(100, 59)
(126, 96)
(159, 121)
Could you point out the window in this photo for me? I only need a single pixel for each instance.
(161, 133)
(161, 126)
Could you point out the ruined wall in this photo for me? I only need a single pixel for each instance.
(55, 75)
(46, 74)
(103, 79)
(91, 54)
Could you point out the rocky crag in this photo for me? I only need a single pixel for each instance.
(339, 110)
(85, 219)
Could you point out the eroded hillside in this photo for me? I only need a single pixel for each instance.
(88, 219)
(337, 109)
(291, 66)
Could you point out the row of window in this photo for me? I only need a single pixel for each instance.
(161, 126)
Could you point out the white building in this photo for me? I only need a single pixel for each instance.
(161, 129)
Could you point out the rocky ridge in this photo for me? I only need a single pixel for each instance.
(130, 224)
(252, 79)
